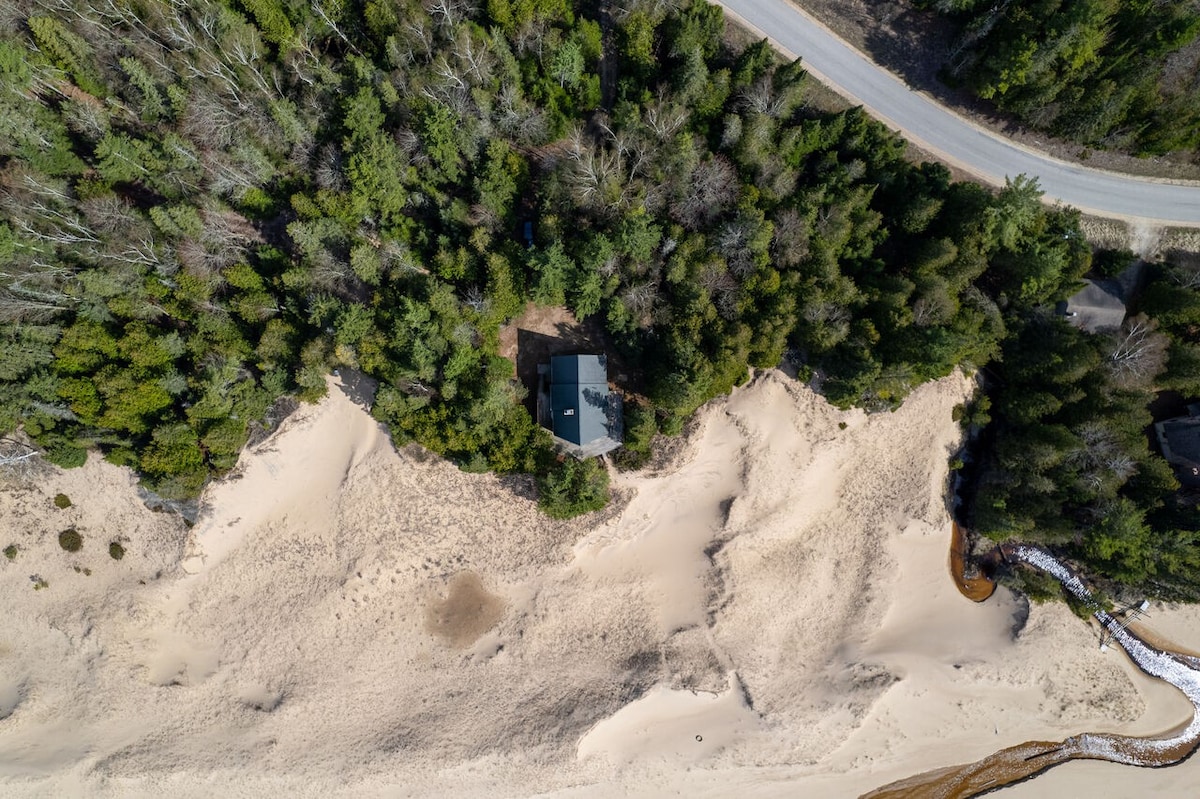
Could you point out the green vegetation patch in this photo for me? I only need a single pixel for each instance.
(10, 552)
(70, 540)
(1095, 71)
(62, 501)
(640, 429)
(571, 487)
(116, 551)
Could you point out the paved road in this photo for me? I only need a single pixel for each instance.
(986, 155)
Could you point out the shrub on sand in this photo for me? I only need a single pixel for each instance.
(572, 487)
(70, 540)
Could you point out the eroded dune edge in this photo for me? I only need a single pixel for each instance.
(768, 611)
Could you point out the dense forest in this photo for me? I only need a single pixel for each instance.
(1069, 462)
(209, 206)
(1109, 73)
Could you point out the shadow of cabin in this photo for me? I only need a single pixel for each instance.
(534, 348)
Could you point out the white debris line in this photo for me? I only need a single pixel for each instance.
(1166, 666)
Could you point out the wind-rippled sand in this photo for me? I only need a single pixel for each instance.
(768, 613)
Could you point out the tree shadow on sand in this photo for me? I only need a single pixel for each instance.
(358, 387)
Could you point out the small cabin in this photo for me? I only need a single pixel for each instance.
(1179, 439)
(1098, 307)
(576, 405)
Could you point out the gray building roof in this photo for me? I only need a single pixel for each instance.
(583, 369)
(1180, 442)
(1097, 307)
(579, 398)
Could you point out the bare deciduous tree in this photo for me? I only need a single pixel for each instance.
(329, 171)
(934, 304)
(595, 176)
(721, 287)
(631, 147)
(655, 9)
(15, 308)
(419, 42)
(18, 459)
(713, 187)
(318, 7)
(475, 57)
(206, 119)
(1185, 269)
(448, 13)
(639, 299)
(518, 119)
(1139, 352)
(1100, 458)
(303, 60)
(733, 242)
(664, 117)
(790, 245)
(474, 299)
(760, 97)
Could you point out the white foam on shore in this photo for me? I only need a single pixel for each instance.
(1163, 665)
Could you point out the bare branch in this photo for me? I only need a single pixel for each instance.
(1139, 352)
(319, 8)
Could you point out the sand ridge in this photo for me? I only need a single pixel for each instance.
(770, 611)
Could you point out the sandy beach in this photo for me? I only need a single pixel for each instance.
(768, 613)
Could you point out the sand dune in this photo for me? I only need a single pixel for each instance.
(769, 613)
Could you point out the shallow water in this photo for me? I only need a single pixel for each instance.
(1028, 759)
(976, 588)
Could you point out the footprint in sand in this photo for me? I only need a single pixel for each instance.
(261, 697)
(176, 660)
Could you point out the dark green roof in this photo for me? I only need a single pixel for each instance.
(579, 397)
